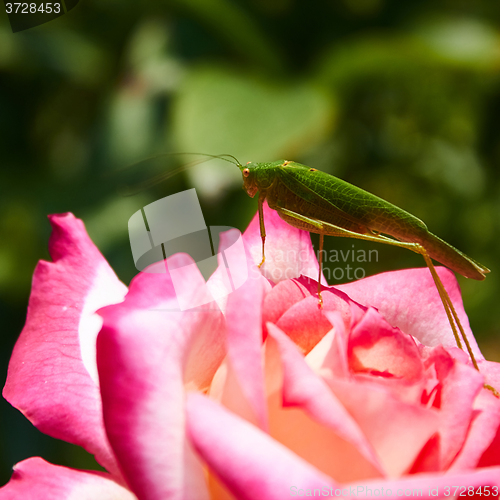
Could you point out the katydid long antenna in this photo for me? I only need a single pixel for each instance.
(157, 179)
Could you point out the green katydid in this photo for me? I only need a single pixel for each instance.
(315, 201)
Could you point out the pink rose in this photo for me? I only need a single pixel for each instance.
(261, 396)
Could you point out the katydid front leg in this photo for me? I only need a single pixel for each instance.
(262, 197)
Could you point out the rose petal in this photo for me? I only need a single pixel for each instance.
(330, 353)
(409, 300)
(282, 296)
(457, 389)
(148, 354)
(492, 455)
(303, 389)
(245, 377)
(306, 324)
(52, 375)
(251, 465)
(375, 346)
(491, 372)
(35, 479)
(484, 426)
(397, 430)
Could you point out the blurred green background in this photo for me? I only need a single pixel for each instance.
(400, 98)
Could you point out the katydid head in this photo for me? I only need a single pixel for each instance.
(249, 184)
(257, 176)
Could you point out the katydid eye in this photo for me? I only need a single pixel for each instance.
(246, 172)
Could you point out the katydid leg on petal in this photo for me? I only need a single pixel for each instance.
(262, 197)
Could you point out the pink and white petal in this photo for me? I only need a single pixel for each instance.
(375, 346)
(314, 442)
(459, 384)
(244, 345)
(409, 300)
(52, 376)
(35, 479)
(431, 485)
(485, 424)
(280, 298)
(492, 455)
(285, 295)
(147, 357)
(329, 355)
(303, 389)
(397, 430)
(235, 267)
(459, 390)
(288, 250)
(306, 324)
(491, 372)
(246, 460)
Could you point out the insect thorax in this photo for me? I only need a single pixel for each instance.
(263, 174)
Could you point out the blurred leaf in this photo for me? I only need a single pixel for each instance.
(454, 43)
(379, 54)
(130, 125)
(465, 42)
(149, 57)
(457, 168)
(107, 223)
(364, 7)
(70, 53)
(236, 27)
(219, 111)
(18, 245)
(10, 50)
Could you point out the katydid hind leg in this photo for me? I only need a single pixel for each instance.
(331, 230)
(450, 310)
